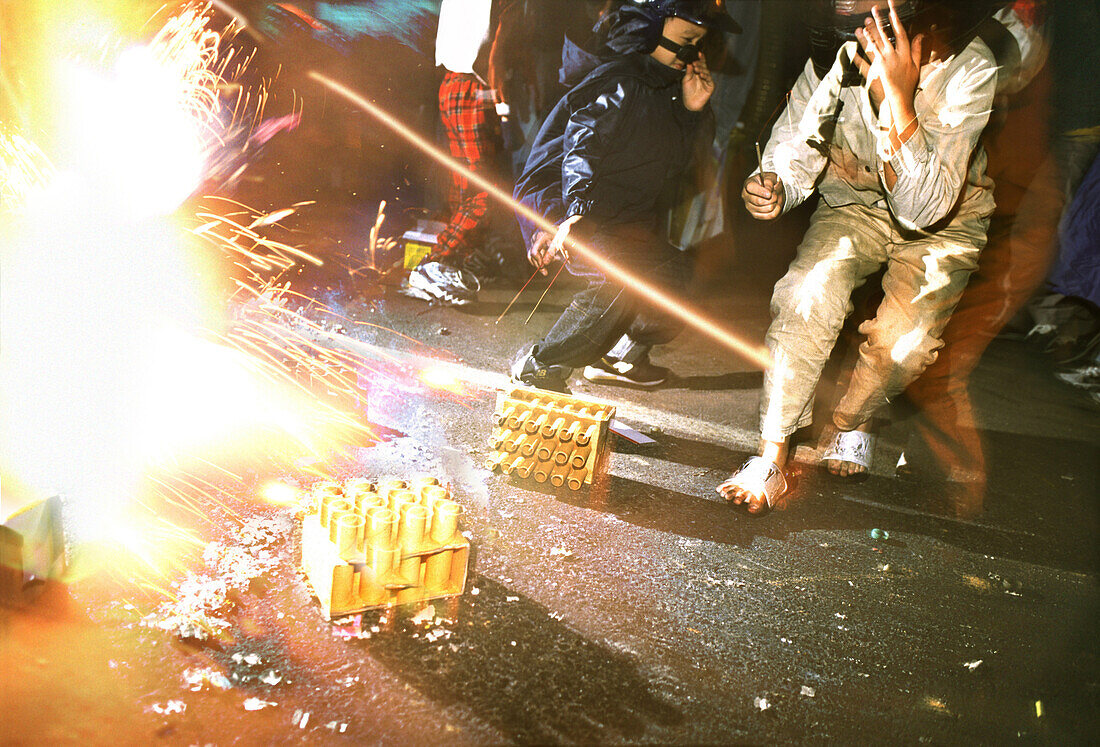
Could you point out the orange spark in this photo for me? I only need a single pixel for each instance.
(687, 314)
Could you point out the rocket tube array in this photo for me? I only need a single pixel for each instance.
(549, 437)
(368, 544)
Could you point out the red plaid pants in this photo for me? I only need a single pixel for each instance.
(469, 117)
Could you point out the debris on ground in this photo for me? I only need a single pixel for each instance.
(301, 718)
(200, 600)
(197, 677)
(808, 691)
(259, 532)
(972, 665)
(424, 616)
(761, 703)
(351, 628)
(172, 706)
(255, 704)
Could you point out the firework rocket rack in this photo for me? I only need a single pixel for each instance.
(550, 437)
(367, 545)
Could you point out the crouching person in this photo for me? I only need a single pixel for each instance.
(603, 169)
(890, 141)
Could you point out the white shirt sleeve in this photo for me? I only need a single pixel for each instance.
(932, 165)
(789, 153)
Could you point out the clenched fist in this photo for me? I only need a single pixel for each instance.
(764, 201)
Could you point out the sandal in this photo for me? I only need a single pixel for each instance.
(854, 447)
(763, 479)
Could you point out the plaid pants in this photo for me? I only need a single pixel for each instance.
(469, 117)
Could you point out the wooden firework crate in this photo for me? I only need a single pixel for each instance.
(549, 437)
(374, 544)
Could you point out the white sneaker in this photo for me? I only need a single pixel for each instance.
(439, 282)
(610, 371)
(1087, 377)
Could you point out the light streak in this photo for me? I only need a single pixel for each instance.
(24, 169)
(279, 494)
(908, 344)
(691, 317)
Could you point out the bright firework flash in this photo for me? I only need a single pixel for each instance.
(24, 170)
(121, 387)
(691, 317)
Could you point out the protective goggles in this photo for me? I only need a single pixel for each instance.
(685, 53)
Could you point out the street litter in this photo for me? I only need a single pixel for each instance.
(172, 706)
(249, 659)
(808, 691)
(196, 677)
(201, 598)
(424, 616)
(972, 665)
(349, 628)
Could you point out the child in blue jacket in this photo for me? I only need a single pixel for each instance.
(604, 168)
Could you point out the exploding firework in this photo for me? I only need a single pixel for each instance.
(124, 385)
(24, 170)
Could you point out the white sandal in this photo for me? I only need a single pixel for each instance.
(854, 447)
(759, 477)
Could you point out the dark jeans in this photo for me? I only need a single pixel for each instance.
(604, 311)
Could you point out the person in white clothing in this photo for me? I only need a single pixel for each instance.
(889, 138)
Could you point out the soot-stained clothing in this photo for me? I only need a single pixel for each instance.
(927, 230)
(938, 170)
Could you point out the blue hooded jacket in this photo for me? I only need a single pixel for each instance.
(614, 148)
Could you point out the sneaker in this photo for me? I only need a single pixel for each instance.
(440, 282)
(414, 292)
(1086, 377)
(610, 371)
(529, 372)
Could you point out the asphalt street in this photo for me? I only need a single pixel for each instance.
(647, 611)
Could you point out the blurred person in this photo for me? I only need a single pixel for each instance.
(945, 442)
(604, 168)
(1044, 228)
(1061, 316)
(471, 45)
(888, 137)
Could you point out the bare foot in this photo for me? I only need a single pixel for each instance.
(848, 469)
(774, 452)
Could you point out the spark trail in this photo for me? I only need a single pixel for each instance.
(690, 316)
